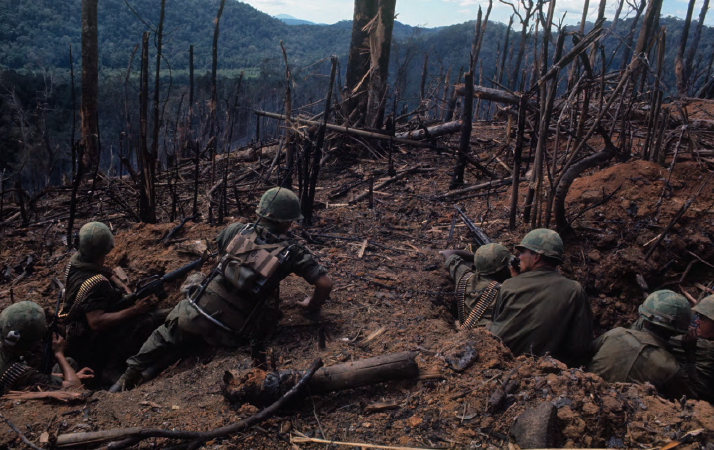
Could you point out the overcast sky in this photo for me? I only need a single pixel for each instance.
(435, 13)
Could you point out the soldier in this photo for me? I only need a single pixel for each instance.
(23, 326)
(704, 384)
(630, 355)
(540, 311)
(102, 331)
(240, 302)
(478, 277)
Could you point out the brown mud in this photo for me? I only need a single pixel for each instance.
(405, 306)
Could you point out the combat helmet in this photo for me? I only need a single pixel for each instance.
(491, 258)
(544, 242)
(22, 325)
(705, 307)
(668, 310)
(95, 240)
(279, 205)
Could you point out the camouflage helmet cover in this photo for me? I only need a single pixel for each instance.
(22, 325)
(544, 242)
(491, 258)
(668, 310)
(279, 205)
(95, 240)
(705, 307)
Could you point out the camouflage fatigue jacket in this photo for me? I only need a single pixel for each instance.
(541, 312)
(88, 289)
(627, 356)
(15, 375)
(458, 268)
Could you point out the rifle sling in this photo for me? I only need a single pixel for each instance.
(11, 375)
(488, 295)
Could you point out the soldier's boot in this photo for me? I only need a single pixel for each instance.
(155, 369)
(128, 381)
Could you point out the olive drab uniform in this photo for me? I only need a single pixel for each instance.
(16, 375)
(541, 311)
(475, 293)
(88, 288)
(627, 356)
(704, 385)
(235, 315)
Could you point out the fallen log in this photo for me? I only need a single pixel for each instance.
(258, 387)
(490, 184)
(397, 177)
(493, 95)
(431, 132)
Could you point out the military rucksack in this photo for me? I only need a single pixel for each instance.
(253, 265)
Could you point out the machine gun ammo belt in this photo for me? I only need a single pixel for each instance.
(488, 295)
(83, 293)
(11, 375)
(461, 294)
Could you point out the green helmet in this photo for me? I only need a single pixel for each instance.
(22, 325)
(705, 307)
(544, 242)
(668, 310)
(491, 258)
(279, 205)
(95, 240)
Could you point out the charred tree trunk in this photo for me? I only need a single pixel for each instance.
(679, 57)
(457, 178)
(380, 43)
(147, 197)
(694, 45)
(631, 34)
(358, 57)
(288, 139)
(157, 88)
(90, 85)
(502, 65)
(518, 152)
(443, 99)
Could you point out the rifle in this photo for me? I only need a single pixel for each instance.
(477, 232)
(154, 285)
(47, 358)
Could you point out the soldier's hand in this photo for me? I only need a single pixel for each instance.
(689, 340)
(307, 303)
(143, 305)
(58, 343)
(85, 374)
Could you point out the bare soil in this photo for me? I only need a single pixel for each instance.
(405, 306)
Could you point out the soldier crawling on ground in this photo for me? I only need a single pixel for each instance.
(23, 325)
(642, 354)
(102, 331)
(540, 311)
(239, 302)
(478, 277)
(703, 385)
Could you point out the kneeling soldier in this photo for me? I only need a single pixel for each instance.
(102, 331)
(638, 356)
(478, 277)
(239, 301)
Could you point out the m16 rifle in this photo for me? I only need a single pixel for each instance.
(478, 233)
(47, 358)
(154, 285)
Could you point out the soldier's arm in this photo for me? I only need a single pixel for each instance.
(466, 256)
(100, 320)
(323, 287)
(678, 387)
(70, 378)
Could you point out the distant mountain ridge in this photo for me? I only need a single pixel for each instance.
(290, 20)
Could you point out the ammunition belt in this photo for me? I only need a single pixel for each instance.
(11, 375)
(461, 294)
(488, 295)
(84, 290)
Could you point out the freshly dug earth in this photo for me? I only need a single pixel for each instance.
(396, 297)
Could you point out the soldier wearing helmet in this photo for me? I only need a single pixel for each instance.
(478, 277)
(231, 310)
(704, 354)
(631, 355)
(540, 311)
(22, 326)
(101, 331)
